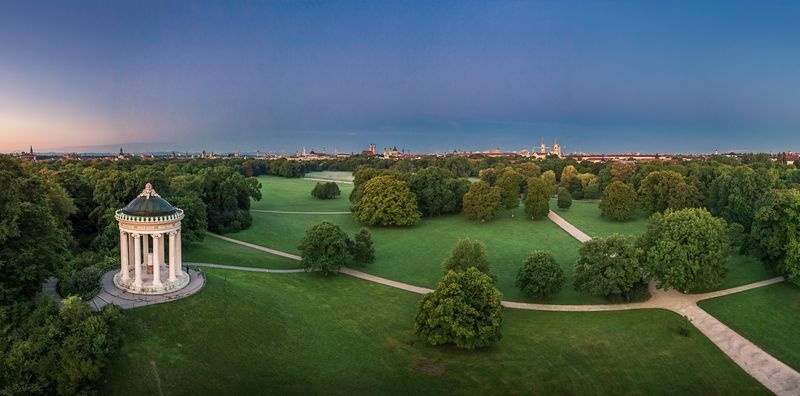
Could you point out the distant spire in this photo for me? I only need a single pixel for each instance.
(31, 150)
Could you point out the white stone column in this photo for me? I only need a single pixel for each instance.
(157, 259)
(179, 251)
(146, 249)
(123, 255)
(130, 249)
(173, 263)
(137, 261)
(163, 247)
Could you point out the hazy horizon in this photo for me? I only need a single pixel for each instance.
(673, 77)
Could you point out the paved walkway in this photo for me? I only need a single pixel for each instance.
(569, 228)
(251, 269)
(300, 213)
(254, 246)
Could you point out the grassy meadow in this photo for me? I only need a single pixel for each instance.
(248, 333)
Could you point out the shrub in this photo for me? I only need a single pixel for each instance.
(363, 252)
(328, 190)
(540, 275)
(564, 199)
(467, 253)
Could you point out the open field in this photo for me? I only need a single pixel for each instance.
(216, 251)
(767, 316)
(278, 193)
(414, 255)
(588, 218)
(251, 333)
(331, 175)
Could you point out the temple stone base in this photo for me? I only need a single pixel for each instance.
(181, 280)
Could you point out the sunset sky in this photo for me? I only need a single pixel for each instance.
(606, 76)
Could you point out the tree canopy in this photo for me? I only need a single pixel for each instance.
(775, 233)
(464, 310)
(540, 275)
(686, 249)
(662, 190)
(608, 267)
(481, 201)
(326, 190)
(386, 201)
(619, 201)
(536, 201)
(325, 248)
(467, 253)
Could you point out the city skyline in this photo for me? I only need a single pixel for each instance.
(430, 77)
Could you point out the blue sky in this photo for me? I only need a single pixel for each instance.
(428, 76)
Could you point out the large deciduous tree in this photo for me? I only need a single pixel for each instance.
(430, 186)
(227, 195)
(775, 232)
(619, 201)
(325, 248)
(536, 201)
(608, 267)
(686, 249)
(549, 179)
(326, 190)
(482, 201)
(386, 201)
(662, 190)
(509, 183)
(734, 193)
(467, 253)
(464, 310)
(540, 275)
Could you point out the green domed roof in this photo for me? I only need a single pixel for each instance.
(148, 203)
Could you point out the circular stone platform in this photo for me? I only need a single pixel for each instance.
(181, 280)
(110, 293)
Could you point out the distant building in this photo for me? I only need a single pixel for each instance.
(372, 151)
(543, 152)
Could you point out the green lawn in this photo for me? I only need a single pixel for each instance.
(588, 218)
(414, 254)
(304, 334)
(743, 270)
(217, 251)
(767, 316)
(331, 175)
(294, 195)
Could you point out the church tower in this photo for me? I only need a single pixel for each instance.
(542, 147)
(556, 148)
